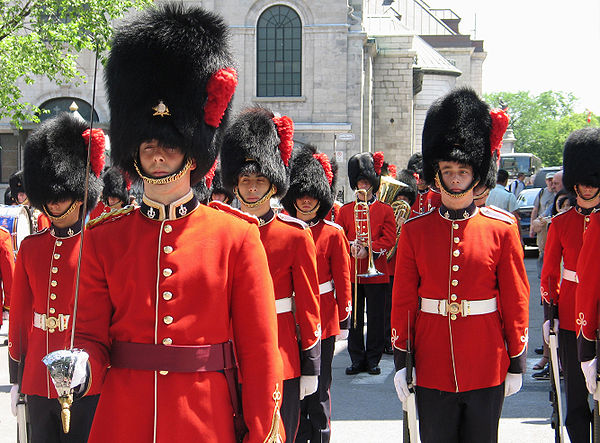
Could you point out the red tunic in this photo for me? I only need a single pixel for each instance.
(7, 267)
(334, 212)
(383, 236)
(434, 199)
(100, 209)
(588, 289)
(43, 222)
(201, 278)
(43, 283)
(420, 205)
(291, 253)
(564, 241)
(476, 258)
(333, 265)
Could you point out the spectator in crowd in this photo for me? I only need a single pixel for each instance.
(499, 196)
(518, 185)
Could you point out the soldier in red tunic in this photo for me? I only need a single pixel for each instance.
(581, 163)
(460, 283)
(310, 198)
(175, 294)
(415, 165)
(42, 294)
(254, 162)
(115, 193)
(364, 173)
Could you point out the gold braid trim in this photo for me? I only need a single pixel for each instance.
(109, 215)
(440, 185)
(273, 436)
(270, 193)
(163, 180)
(60, 217)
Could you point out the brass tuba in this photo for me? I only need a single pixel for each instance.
(388, 191)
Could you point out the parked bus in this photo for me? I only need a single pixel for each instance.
(516, 162)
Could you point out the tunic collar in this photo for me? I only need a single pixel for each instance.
(458, 214)
(69, 231)
(266, 218)
(178, 209)
(586, 211)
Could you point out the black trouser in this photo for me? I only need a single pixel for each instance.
(388, 313)
(46, 424)
(315, 410)
(579, 417)
(465, 417)
(290, 408)
(375, 297)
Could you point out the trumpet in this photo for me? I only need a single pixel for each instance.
(401, 212)
(362, 226)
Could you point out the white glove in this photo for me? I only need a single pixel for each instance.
(14, 398)
(308, 385)
(400, 383)
(80, 371)
(512, 384)
(589, 372)
(546, 329)
(343, 335)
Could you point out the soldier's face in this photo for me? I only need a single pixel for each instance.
(58, 208)
(219, 196)
(586, 192)
(253, 187)
(457, 177)
(160, 161)
(306, 203)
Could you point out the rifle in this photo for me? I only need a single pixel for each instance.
(409, 417)
(556, 420)
(596, 422)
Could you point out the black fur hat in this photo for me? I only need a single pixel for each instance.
(255, 143)
(55, 161)
(115, 185)
(310, 176)
(15, 181)
(159, 70)
(405, 176)
(218, 187)
(415, 164)
(581, 159)
(365, 165)
(457, 128)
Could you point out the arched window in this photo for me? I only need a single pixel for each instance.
(279, 53)
(63, 104)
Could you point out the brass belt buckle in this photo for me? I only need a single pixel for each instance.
(454, 308)
(52, 323)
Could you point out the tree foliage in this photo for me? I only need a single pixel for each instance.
(541, 123)
(42, 38)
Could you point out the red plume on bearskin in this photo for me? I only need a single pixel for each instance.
(378, 161)
(210, 175)
(392, 170)
(97, 149)
(500, 121)
(324, 160)
(285, 131)
(128, 180)
(220, 89)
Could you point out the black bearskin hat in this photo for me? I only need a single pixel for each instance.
(405, 176)
(15, 181)
(258, 142)
(365, 165)
(170, 77)
(218, 187)
(310, 174)
(415, 164)
(55, 162)
(581, 159)
(8, 198)
(115, 185)
(459, 127)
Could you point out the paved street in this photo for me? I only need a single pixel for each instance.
(366, 409)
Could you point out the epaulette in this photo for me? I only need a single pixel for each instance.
(110, 216)
(421, 215)
(495, 214)
(236, 212)
(43, 231)
(292, 220)
(503, 211)
(572, 208)
(335, 225)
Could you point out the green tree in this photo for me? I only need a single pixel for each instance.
(42, 38)
(541, 123)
